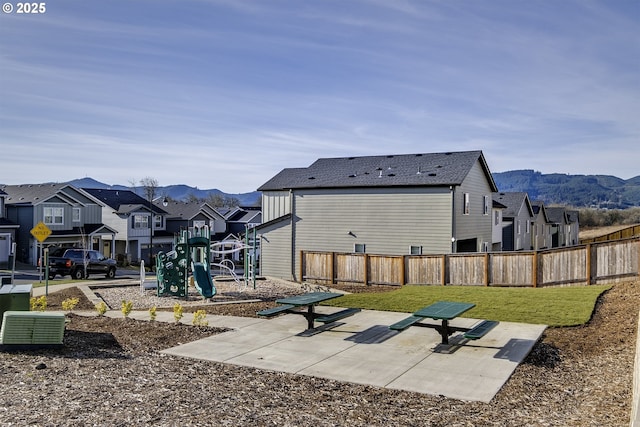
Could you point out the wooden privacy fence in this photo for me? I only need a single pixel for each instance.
(625, 233)
(585, 264)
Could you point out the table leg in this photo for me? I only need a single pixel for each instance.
(310, 317)
(444, 332)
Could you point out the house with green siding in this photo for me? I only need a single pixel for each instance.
(406, 204)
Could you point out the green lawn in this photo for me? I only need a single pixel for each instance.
(566, 306)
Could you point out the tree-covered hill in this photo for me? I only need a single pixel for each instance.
(599, 191)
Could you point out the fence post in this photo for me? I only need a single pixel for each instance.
(402, 273)
(444, 270)
(301, 267)
(534, 271)
(486, 269)
(332, 268)
(589, 259)
(366, 269)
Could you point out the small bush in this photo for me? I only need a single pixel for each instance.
(38, 304)
(152, 313)
(199, 318)
(126, 308)
(70, 303)
(177, 312)
(101, 308)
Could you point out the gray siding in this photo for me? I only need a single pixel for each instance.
(275, 251)
(476, 224)
(275, 204)
(386, 221)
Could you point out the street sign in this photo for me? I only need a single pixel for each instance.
(40, 231)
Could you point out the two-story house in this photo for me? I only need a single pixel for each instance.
(540, 227)
(394, 204)
(140, 224)
(73, 216)
(7, 232)
(564, 226)
(516, 220)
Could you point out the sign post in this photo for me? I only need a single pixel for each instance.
(41, 232)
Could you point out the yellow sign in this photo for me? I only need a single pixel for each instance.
(40, 231)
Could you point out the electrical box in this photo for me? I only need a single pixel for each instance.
(15, 298)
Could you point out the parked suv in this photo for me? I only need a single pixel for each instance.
(79, 263)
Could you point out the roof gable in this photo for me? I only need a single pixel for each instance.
(514, 202)
(433, 169)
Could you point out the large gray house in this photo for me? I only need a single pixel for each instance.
(73, 216)
(396, 204)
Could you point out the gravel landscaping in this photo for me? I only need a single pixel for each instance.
(110, 373)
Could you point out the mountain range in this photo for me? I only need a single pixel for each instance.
(176, 192)
(595, 191)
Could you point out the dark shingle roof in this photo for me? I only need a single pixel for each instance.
(122, 201)
(513, 201)
(434, 169)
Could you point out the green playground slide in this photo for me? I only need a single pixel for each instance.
(202, 280)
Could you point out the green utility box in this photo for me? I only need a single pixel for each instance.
(15, 298)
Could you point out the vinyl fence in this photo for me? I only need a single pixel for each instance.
(592, 263)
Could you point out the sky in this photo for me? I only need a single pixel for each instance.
(226, 93)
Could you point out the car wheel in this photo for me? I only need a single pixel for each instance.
(52, 276)
(77, 274)
(111, 273)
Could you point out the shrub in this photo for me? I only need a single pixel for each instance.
(126, 308)
(177, 312)
(38, 304)
(199, 318)
(70, 303)
(101, 307)
(152, 313)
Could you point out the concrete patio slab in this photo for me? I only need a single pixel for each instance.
(361, 349)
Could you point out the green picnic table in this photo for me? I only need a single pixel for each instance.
(445, 311)
(296, 304)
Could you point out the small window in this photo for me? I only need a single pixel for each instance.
(53, 216)
(359, 248)
(76, 215)
(140, 221)
(415, 250)
(157, 223)
(486, 208)
(466, 204)
(496, 218)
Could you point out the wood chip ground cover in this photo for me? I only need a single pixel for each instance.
(111, 373)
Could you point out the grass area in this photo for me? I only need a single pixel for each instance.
(566, 306)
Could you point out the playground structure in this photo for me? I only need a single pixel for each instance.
(192, 253)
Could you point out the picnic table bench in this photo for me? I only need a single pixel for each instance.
(296, 304)
(445, 311)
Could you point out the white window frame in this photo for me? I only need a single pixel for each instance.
(53, 215)
(157, 223)
(466, 206)
(76, 215)
(140, 222)
(487, 209)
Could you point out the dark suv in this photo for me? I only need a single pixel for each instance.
(80, 263)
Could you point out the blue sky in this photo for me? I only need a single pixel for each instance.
(226, 93)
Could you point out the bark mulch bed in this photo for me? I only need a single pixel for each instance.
(110, 373)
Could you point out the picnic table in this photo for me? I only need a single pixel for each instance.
(296, 304)
(445, 311)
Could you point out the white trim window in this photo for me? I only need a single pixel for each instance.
(466, 204)
(487, 207)
(75, 215)
(140, 222)
(53, 216)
